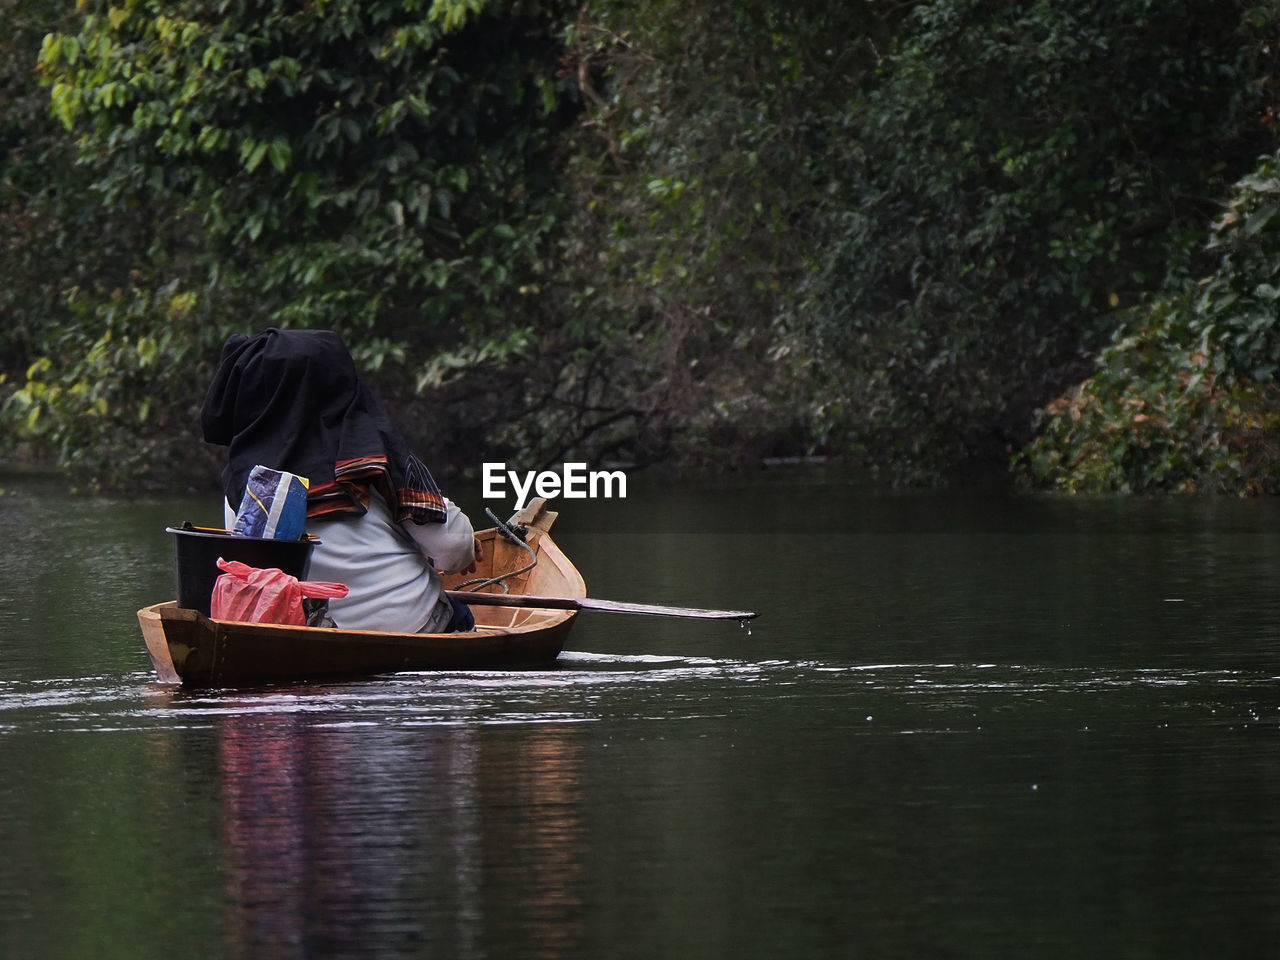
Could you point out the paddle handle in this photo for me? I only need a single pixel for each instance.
(587, 603)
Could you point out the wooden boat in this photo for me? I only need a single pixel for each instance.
(189, 648)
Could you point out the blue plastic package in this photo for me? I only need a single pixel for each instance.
(274, 505)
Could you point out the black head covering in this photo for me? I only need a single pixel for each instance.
(291, 400)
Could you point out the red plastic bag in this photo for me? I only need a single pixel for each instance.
(256, 595)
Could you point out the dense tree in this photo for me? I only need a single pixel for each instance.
(380, 168)
(49, 225)
(642, 229)
(1185, 397)
(1016, 172)
(712, 150)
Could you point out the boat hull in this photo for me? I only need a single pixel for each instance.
(190, 648)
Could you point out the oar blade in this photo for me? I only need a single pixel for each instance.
(655, 610)
(603, 606)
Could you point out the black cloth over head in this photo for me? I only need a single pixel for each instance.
(292, 400)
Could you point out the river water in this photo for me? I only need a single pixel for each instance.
(964, 725)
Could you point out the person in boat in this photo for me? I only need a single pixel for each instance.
(292, 400)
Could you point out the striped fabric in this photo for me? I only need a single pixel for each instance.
(419, 499)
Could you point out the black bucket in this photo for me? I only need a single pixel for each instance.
(197, 550)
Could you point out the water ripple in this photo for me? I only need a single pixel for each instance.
(586, 687)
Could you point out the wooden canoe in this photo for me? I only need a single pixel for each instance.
(189, 648)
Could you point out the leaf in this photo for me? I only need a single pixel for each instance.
(1258, 219)
(255, 157)
(147, 347)
(281, 154)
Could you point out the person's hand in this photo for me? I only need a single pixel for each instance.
(478, 549)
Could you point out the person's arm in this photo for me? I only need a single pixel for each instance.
(450, 546)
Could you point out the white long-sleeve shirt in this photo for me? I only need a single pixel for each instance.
(389, 567)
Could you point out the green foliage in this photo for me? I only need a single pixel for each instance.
(1016, 170)
(47, 215)
(709, 230)
(884, 231)
(379, 168)
(115, 401)
(693, 184)
(1186, 397)
(359, 164)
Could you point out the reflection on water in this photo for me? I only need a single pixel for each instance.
(335, 843)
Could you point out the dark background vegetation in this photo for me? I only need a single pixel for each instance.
(924, 237)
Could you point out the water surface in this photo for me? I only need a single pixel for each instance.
(964, 726)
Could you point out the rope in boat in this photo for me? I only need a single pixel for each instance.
(516, 535)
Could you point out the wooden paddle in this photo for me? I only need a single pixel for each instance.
(586, 603)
